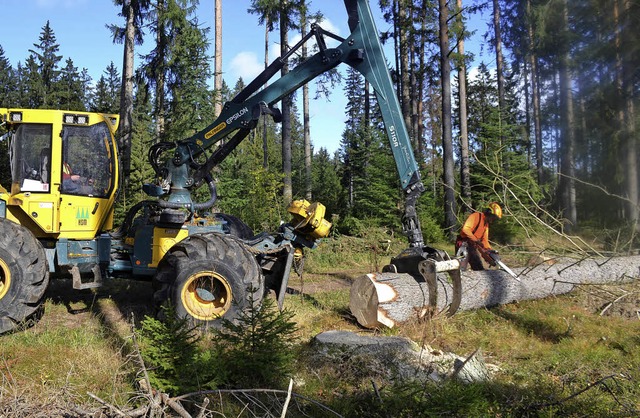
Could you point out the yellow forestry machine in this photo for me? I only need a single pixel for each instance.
(56, 217)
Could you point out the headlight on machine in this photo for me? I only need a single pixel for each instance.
(70, 119)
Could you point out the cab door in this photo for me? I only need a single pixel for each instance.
(88, 179)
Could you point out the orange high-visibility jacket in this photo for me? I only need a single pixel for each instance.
(476, 228)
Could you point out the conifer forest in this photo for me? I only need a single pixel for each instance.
(548, 125)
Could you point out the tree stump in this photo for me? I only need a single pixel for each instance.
(387, 299)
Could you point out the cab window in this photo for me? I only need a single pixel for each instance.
(30, 156)
(87, 163)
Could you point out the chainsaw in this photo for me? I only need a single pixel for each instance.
(492, 257)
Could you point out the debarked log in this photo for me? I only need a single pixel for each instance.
(388, 299)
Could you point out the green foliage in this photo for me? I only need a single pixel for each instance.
(72, 91)
(141, 170)
(431, 217)
(8, 82)
(173, 358)
(420, 399)
(248, 189)
(257, 350)
(190, 105)
(326, 187)
(45, 59)
(106, 98)
(351, 225)
(501, 140)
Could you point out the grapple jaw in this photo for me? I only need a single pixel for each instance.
(424, 264)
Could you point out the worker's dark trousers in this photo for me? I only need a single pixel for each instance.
(472, 255)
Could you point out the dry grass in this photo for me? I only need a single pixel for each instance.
(80, 345)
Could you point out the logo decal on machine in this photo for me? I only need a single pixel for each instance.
(237, 115)
(394, 136)
(82, 216)
(215, 130)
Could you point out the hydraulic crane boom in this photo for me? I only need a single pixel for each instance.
(361, 50)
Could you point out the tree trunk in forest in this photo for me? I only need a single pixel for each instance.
(499, 67)
(396, 42)
(388, 299)
(217, 73)
(555, 94)
(413, 108)
(160, 76)
(465, 174)
(567, 185)
(405, 96)
(305, 115)
(265, 143)
(420, 116)
(535, 95)
(626, 117)
(447, 142)
(367, 103)
(126, 92)
(286, 108)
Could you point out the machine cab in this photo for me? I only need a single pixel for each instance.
(63, 170)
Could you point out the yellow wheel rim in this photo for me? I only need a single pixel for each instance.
(5, 278)
(206, 295)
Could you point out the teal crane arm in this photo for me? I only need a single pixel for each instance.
(361, 50)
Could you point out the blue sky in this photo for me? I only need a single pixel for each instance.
(80, 29)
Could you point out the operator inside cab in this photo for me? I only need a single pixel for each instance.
(473, 240)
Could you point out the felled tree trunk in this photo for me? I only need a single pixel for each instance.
(387, 299)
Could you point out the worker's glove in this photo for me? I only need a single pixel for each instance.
(487, 255)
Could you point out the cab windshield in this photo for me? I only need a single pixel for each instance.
(87, 163)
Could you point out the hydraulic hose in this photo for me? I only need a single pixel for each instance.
(121, 232)
(192, 207)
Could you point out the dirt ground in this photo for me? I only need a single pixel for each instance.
(322, 282)
(134, 299)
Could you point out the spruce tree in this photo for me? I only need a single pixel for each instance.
(34, 90)
(8, 95)
(101, 99)
(47, 59)
(325, 179)
(106, 98)
(190, 103)
(352, 147)
(8, 82)
(71, 88)
(248, 189)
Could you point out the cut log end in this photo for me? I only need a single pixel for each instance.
(384, 299)
(363, 301)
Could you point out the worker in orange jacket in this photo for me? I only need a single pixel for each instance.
(473, 240)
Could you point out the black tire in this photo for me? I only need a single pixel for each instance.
(24, 276)
(206, 277)
(235, 226)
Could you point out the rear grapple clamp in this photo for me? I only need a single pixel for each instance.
(423, 264)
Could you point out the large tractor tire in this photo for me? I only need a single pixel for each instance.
(24, 276)
(206, 277)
